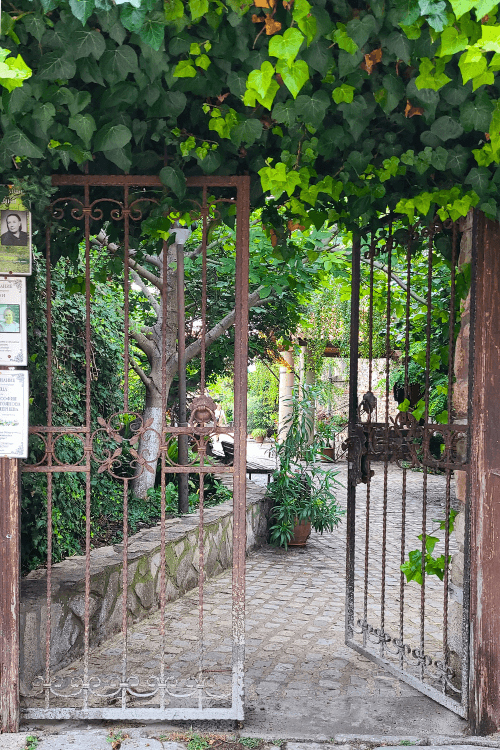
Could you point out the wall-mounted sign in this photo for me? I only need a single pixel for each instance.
(15, 236)
(13, 345)
(14, 402)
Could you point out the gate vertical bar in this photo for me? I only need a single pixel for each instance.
(485, 486)
(9, 594)
(181, 369)
(386, 430)
(354, 447)
(240, 433)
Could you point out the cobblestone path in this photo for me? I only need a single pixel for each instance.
(298, 668)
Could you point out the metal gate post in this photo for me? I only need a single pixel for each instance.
(485, 486)
(9, 594)
(353, 439)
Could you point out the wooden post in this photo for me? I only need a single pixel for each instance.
(484, 698)
(9, 594)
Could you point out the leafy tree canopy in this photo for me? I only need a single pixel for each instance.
(339, 111)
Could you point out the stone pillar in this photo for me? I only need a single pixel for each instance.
(307, 377)
(285, 391)
(460, 406)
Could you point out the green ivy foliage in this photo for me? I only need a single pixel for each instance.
(68, 405)
(346, 109)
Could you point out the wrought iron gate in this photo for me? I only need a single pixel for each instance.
(126, 446)
(408, 438)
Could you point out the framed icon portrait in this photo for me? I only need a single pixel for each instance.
(15, 236)
(13, 327)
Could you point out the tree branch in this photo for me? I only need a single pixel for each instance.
(145, 274)
(397, 280)
(153, 259)
(222, 326)
(144, 289)
(143, 343)
(140, 372)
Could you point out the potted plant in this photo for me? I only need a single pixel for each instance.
(259, 434)
(302, 491)
(327, 428)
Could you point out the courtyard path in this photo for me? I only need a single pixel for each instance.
(301, 678)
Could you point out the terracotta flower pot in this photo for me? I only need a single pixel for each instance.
(328, 453)
(259, 439)
(301, 533)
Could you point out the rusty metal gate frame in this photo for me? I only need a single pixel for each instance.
(201, 414)
(395, 440)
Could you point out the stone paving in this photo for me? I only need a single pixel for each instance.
(302, 681)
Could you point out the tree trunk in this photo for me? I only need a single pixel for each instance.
(149, 449)
(149, 444)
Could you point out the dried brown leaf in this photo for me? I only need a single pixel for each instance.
(411, 111)
(272, 26)
(371, 60)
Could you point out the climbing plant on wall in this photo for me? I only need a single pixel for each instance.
(337, 111)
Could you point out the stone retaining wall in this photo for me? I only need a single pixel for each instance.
(106, 566)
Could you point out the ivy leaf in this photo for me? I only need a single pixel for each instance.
(175, 180)
(112, 137)
(409, 12)
(185, 69)
(440, 158)
(462, 6)
(79, 101)
(479, 179)
(494, 129)
(173, 9)
(360, 30)
(131, 18)
(35, 26)
(198, 8)
(313, 108)
(452, 42)
(472, 63)
(15, 143)
(476, 115)
(348, 63)
(343, 93)
(428, 79)
(309, 27)
(458, 160)
(446, 127)
(119, 157)
(203, 62)
(53, 67)
(246, 132)
(344, 41)
(318, 56)
(251, 96)
(285, 112)
(286, 47)
(484, 7)
(175, 101)
(211, 162)
(87, 43)
(301, 9)
(400, 46)
(82, 9)
(84, 126)
(260, 80)
(435, 13)
(44, 115)
(118, 63)
(294, 76)
(13, 70)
